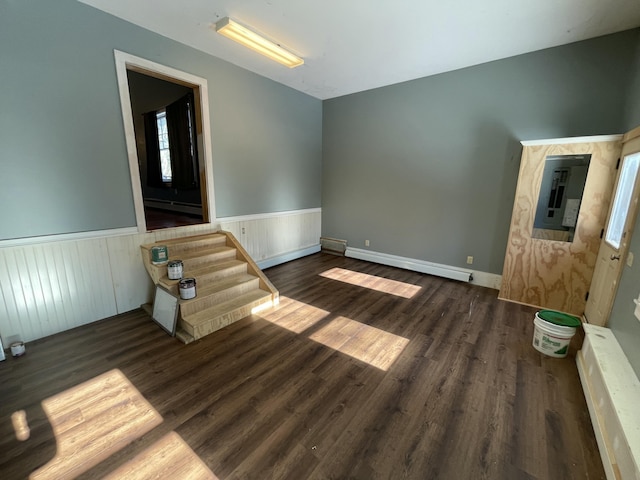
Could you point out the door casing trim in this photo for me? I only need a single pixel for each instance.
(125, 61)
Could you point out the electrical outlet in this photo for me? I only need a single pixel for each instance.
(242, 230)
(366, 243)
(469, 260)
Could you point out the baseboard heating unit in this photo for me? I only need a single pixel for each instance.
(421, 266)
(333, 245)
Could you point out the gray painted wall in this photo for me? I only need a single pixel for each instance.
(64, 163)
(624, 324)
(427, 169)
(632, 111)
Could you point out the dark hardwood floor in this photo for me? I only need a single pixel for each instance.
(158, 219)
(362, 372)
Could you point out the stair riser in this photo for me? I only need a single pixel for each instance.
(222, 274)
(199, 262)
(221, 321)
(208, 277)
(205, 244)
(201, 302)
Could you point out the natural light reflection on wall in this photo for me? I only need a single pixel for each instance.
(92, 421)
(368, 344)
(294, 316)
(169, 457)
(372, 282)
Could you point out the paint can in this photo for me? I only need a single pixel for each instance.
(187, 288)
(17, 349)
(159, 254)
(174, 270)
(553, 332)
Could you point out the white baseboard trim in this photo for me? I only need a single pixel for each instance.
(65, 237)
(287, 257)
(483, 279)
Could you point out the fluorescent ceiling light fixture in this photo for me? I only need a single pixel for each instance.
(257, 43)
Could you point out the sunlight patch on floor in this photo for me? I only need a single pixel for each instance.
(20, 425)
(380, 284)
(99, 417)
(93, 420)
(295, 316)
(169, 457)
(363, 342)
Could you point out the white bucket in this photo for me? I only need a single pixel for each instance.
(17, 349)
(551, 339)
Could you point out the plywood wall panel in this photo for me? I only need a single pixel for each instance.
(548, 273)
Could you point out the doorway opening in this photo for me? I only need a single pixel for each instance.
(168, 158)
(166, 121)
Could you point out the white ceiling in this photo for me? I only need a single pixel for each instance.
(355, 45)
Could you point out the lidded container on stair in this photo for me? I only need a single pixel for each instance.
(187, 287)
(174, 269)
(159, 254)
(553, 332)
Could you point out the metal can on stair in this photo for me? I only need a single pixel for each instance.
(159, 254)
(174, 269)
(187, 287)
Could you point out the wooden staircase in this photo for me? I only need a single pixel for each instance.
(229, 284)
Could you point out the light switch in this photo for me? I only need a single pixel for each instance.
(630, 259)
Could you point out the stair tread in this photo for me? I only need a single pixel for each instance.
(218, 286)
(226, 307)
(203, 270)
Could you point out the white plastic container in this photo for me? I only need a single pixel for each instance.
(17, 349)
(553, 335)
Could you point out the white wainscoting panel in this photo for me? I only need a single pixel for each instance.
(131, 282)
(50, 286)
(273, 235)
